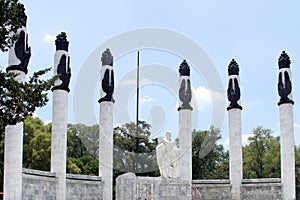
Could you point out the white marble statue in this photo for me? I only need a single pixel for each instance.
(168, 157)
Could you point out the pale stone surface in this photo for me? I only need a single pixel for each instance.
(13, 161)
(168, 157)
(58, 54)
(126, 187)
(235, 151)
(106, 147)
(212, 190)
(84, 187)
(13, 152)
(287, 151)
(251, 189)
(185, 143)
(12, 58)
(20, 77)
(59, 140)
(130, 187)
(38, 185)
(261, 191)
(41, 185)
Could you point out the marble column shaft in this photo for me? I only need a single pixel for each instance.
(235, 152)
(106, 147)
(59, 140)
(13, 152)
(287, 151)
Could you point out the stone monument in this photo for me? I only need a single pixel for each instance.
(287, 141)
(175, 164)
(235, 130)
(18, 60)
(106, 123)
(60, 113)
(168, 157)
(185, 121)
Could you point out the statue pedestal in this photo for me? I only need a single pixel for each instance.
(130, 187)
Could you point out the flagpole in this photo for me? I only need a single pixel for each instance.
(137, 110)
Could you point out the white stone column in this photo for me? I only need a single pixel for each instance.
(235, 152)
(13, 152)
(106, 124)
(13, 155)
(106, 147)
(287, 151)
(60, 115)
(59, 140)
(185, 143)
(235, 131)
(185, 122)
(287, 142)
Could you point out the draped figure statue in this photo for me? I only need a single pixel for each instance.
(168, 157)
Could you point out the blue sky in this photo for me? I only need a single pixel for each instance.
(252, 32)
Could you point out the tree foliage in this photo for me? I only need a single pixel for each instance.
(297, 172)
(36, 144)
(82, 149)
(210, 160)
(10, 21)
(18, 100)
(261, 157)
(129, 159)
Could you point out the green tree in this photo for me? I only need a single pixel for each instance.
(82, 149)
(10, 21)
(36, 144)
(127, 158)
(141, 160)
(209, 159)
(261, 157)
(297, 172)
(85, 140)
(18, 100)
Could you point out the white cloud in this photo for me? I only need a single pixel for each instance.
(245, 138)
(34, 115)
(146, 99)
(48, 38)
(48, 121)
(296, 125)
(129, 82)
(203, 97)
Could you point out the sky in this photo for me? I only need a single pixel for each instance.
(208, 34)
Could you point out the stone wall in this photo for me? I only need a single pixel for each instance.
(40, 185)
(267, 189)
(130, 187)
(251, 189)
(211, 189)
(84, 187)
